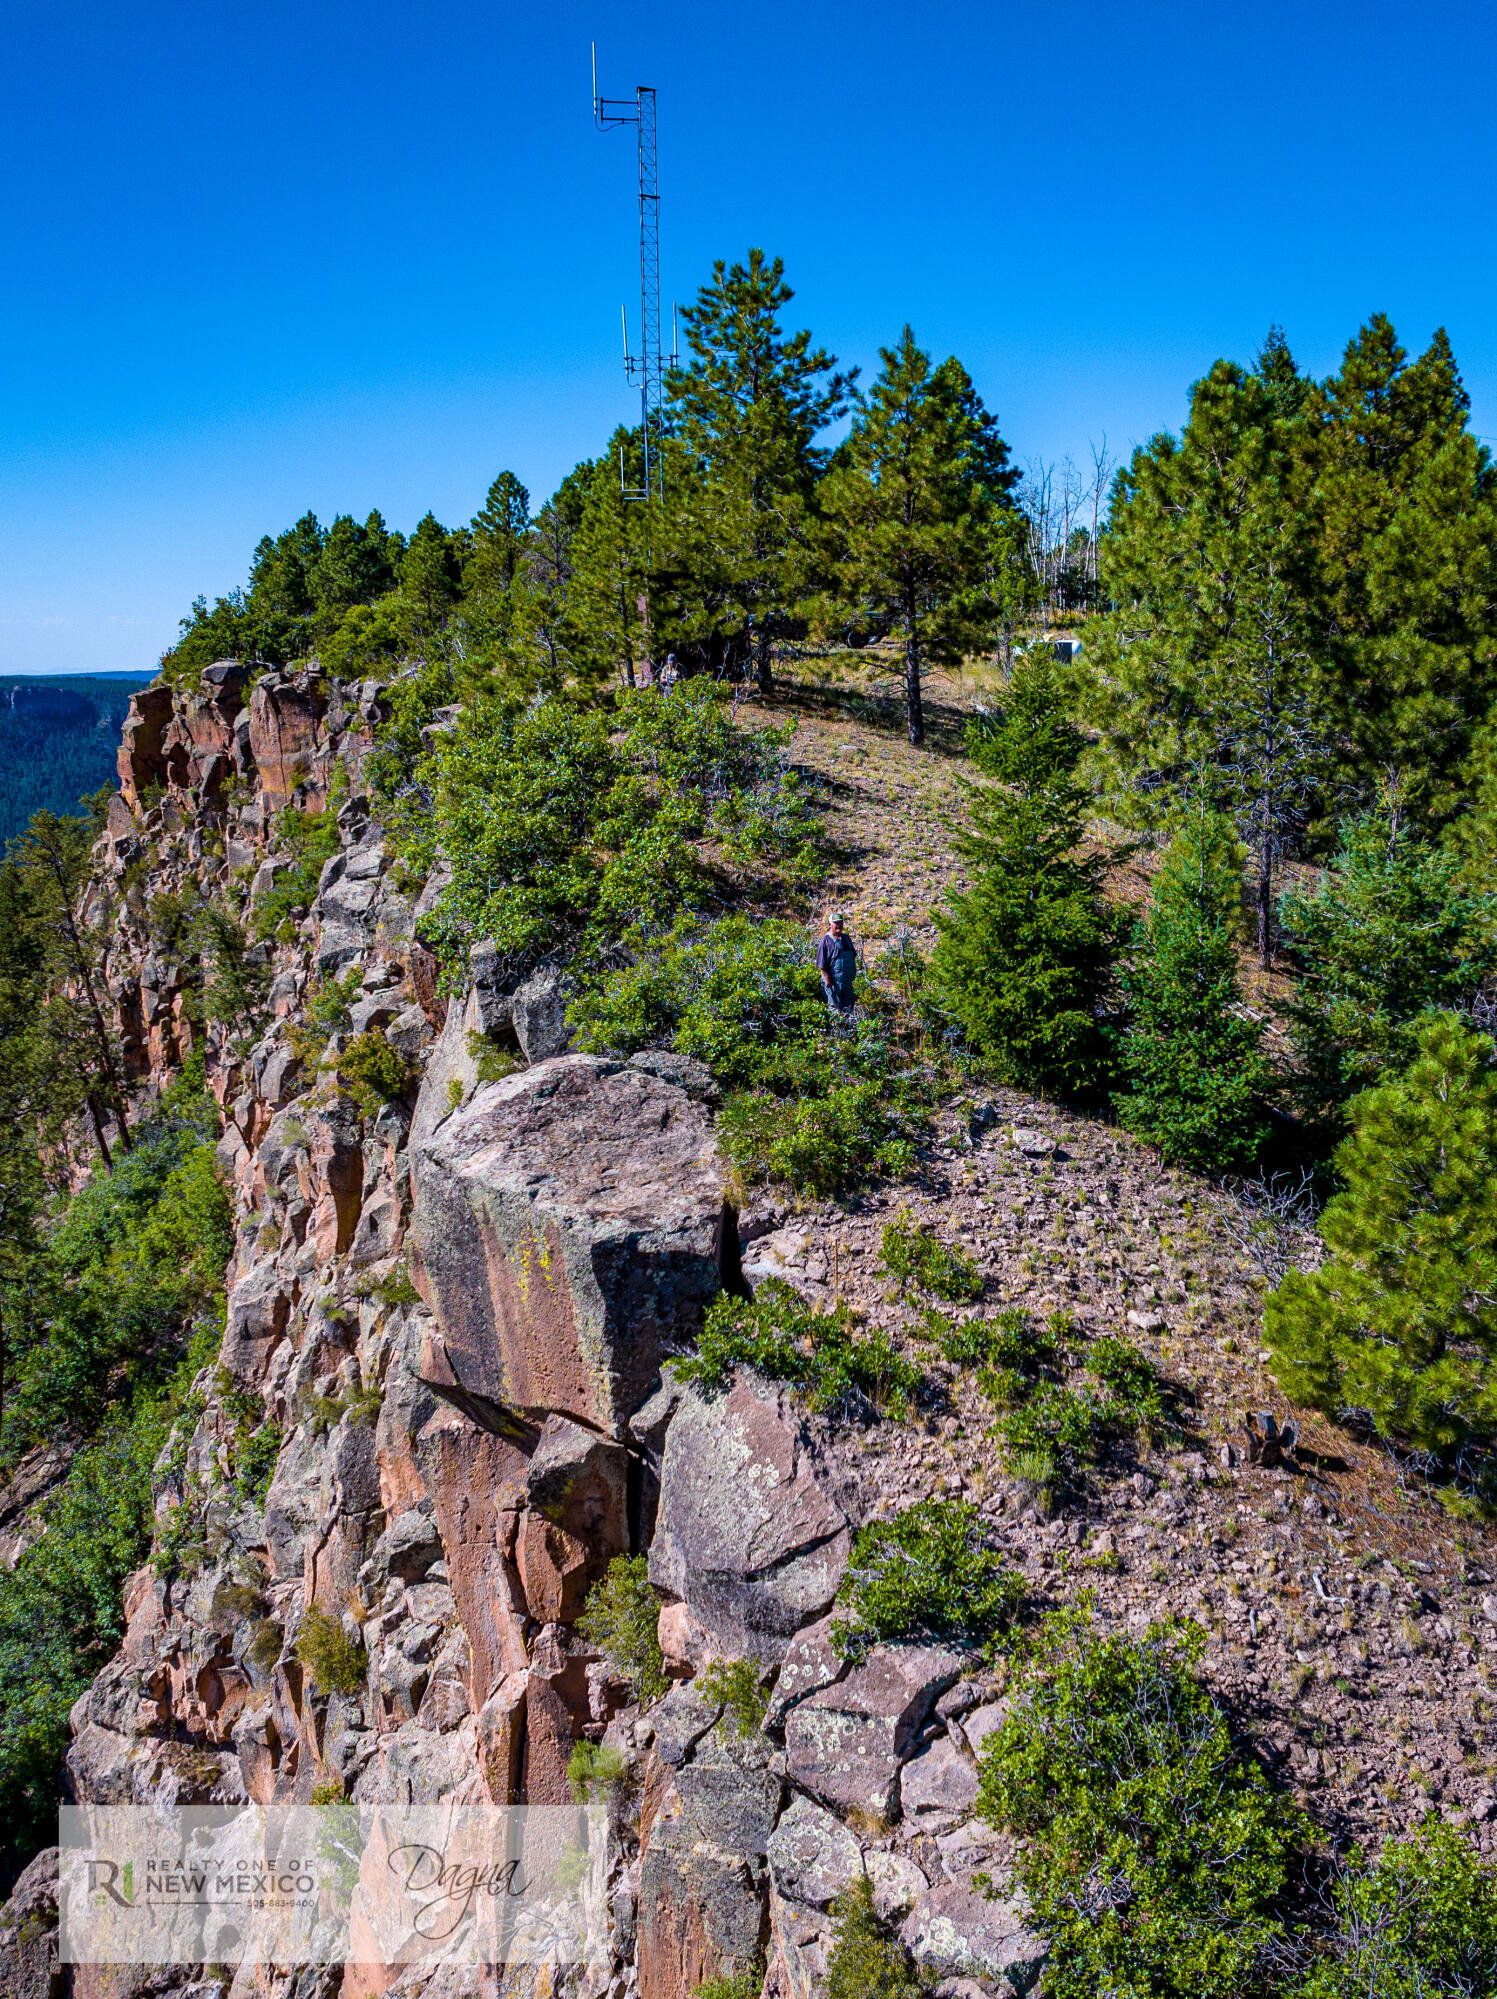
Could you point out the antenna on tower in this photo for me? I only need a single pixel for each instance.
(647, 367)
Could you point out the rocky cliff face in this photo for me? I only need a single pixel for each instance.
(454, 1310)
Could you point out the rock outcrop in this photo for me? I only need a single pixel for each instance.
(566, 1221)
(456, 1312)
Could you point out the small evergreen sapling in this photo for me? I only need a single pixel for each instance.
(1400, 1321)
(1390, 933)
(1196, 1073)
(622, 1617)
(1024, 958)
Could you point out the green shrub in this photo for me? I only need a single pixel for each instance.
(1044, 1421)
(137, 1253)
(491, 1062)
(1421, 1920)
(325, 1012)
(1197, 1077)
(60, 1620)
(265, 1644)
(593, 1770)
(1400, 1321)
(1155, 1852)
(373, 1072)
(311, 838)
(394, 1288)
(1024, 957)
(561, 834)
(337, 1664)
(916, 1255)
(622, 1618)
(927, 1573)
(813, 1105)
(745, 1984)
(255, 1462)
(736, 1685)
(1389, 934)
(783, 1338)
(822, 1145)
(867, 1961)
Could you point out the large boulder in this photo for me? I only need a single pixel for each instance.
(747, 1534)
(565, 1221)
(956, 1931)
(28, 1933)
(846, 1743)
(711, 1798)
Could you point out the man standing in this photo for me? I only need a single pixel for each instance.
(837, 962)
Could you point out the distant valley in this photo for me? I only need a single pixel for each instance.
(58, 738)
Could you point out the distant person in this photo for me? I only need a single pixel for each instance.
(837, 962)
(669, 673)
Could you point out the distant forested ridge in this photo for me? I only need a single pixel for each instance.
(58, 738)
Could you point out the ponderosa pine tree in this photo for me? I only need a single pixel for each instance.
(355, 564)
(746, 413)
(1024, 956)
(430, 579)
(1388, 935)
(1194, 1063)
(1404, 520)
(69, 930)
(908, 498)
(609, 602)
(1208, 673)
(1400, 1321)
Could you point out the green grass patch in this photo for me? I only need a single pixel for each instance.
(818, 1354)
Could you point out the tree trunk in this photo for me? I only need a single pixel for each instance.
(914, 709)
(764, 665)
(1265, 890)
(98, 1122)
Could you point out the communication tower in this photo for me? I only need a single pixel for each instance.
(647, 367)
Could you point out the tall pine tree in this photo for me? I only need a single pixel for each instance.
(747, 413)
(909, 497)
(1405, 523)
(1208, 674)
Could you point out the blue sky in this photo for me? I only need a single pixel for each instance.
(259, 259)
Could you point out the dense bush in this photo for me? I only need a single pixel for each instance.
(336, 1663)
(1400, 1321)
(135, 1254)
(1197, 1078)
(815, 1104)
(1390, 933)
(1024, 958)
(373, 1071)
(1155, 1852)
(1422, 1919)
(737, 1686)
(915, 1254)
(867, 1961)
(622, 1618)
(562, 834)
(927, 1573)
(311, 838)
(60, 1619)
(782, 1337)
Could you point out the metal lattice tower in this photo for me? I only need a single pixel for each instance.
(647, 367)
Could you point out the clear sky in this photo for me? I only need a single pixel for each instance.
(255, 259)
